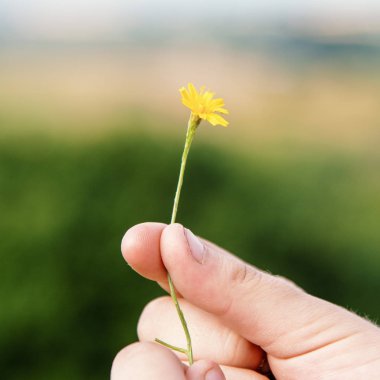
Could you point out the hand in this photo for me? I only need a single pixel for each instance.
(238, 316)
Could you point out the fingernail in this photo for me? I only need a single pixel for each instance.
(195, 245)
(214, 374)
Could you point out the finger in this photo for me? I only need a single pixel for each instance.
(211, 339)
(204, 370)
(141, 246)
(146, 361)
(265, 309)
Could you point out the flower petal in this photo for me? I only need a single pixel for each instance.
(184, 93)
(193, 91)
(221, 110)
(216, 119)
(187, 103)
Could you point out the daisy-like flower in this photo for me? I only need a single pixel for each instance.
(203, 105)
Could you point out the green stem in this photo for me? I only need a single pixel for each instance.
(175, 348)
(173, 294)
(191, 128)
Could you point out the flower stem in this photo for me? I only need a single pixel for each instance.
(175, 348)
(191, 128)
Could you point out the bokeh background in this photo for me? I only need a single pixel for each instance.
(91, 133)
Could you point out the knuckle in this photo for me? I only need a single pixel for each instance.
(242, 279)
(232, 344)
(244, 276)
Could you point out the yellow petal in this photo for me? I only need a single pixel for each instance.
(187, 103)
(184, 93)
(215, 119)
(221, 110)
(193, 91)
(207, 96)
(219, 102)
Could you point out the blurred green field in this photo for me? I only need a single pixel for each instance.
(69, 302)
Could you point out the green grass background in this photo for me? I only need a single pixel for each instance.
(68, 300)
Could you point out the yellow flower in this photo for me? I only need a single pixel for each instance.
(203, 105)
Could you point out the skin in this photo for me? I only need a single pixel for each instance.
(237, 314)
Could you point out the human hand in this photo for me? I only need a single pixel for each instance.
(237, 316)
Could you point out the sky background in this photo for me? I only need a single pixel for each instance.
(88, 19)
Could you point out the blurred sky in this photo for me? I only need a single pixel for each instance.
(84, 19)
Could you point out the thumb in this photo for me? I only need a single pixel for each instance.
(267, 310)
